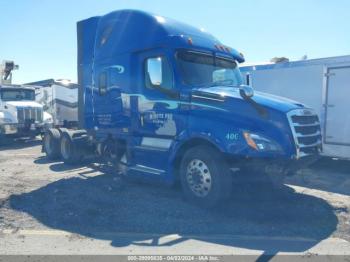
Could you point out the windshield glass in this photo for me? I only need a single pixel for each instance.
(204, 69)
(17, 94)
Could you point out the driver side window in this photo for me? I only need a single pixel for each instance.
(158, 73)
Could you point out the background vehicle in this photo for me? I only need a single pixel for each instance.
(322, 84)
(6, 69)
(165, 102)
(60, 99)
(20, 115)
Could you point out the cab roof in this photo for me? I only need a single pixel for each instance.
(132, 30)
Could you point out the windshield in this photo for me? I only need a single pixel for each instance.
(204, 69)
(17, 94)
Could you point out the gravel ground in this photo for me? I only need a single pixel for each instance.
(88, 202)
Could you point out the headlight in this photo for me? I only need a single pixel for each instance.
(261, 143)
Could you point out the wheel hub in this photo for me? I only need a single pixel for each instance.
(199, 178)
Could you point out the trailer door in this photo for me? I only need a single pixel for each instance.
(337, 125)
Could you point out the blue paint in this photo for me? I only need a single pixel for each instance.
(114, 48)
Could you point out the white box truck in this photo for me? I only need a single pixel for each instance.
(60, 99)
(322, 84)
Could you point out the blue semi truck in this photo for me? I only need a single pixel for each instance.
(165, 102)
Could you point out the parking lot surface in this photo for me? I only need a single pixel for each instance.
(51, 208)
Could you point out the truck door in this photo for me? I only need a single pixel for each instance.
(160, 115)
(337, 126)
(107, 103)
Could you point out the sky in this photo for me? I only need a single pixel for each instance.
(40, 35)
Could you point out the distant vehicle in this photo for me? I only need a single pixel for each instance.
(6, 69)
(20, 115)
(323, 84)
(60, 99)
(165, 101)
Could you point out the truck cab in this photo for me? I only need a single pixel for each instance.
(20, 114)
(166, 101)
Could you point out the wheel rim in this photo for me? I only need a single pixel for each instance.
(198, 177)
(48, 146)
(65, 148)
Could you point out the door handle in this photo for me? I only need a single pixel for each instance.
(142, 119)
(330, 105)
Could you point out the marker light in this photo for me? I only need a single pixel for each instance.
(160, 19)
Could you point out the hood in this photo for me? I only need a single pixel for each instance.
(23, 103)
(274, 102)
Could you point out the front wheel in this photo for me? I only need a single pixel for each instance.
(205, 176)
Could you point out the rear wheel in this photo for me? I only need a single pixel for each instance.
(70, 153)
(51, 143)
(205, 176)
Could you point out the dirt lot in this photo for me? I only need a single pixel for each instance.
(48, 208)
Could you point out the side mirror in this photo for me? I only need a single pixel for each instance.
(246, 91)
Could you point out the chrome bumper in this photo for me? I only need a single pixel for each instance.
(11, 129)
(8, 129)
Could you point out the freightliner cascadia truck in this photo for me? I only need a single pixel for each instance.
(164, 101)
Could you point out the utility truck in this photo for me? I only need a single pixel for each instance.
(20, 115)
(165, 102)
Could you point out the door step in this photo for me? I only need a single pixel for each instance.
(146, 169)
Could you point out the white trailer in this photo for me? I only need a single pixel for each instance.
(60, 99)
(322, 84)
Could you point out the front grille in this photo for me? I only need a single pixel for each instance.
(306, 131)
(304, 120)
(308, 140)
(309, 150)
(25, 114)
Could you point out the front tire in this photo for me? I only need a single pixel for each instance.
(205, 176)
